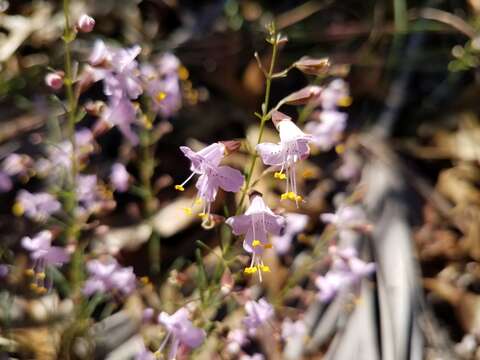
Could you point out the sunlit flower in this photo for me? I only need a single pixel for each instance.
(294, 224)
(105, 276)
(119, 177)
(258, 314)
(39, 206)
(257, 222)
(206, 163)
(163, 84)
(181, 331)
(292, 148)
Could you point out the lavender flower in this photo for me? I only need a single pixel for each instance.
(258, 314)
(347, 217)
(292, 148)
(16, 164)
(119, 177)
(335, 94)
(42, 253)
(257, 222)
(181, 331)
(89, 195)
(292, 329)
(163, 85)
(327, 129)
(206, 163)
(235, 340)
(121, 77)
(346, 271)
(38, 207)
(109, 276)
(256, 356)
(6, 183)
(60, 155)
(294, 224)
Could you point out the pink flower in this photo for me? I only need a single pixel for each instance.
(257, 222)
(235, 340)
(85, 23)
(213, 176)
(256, 356)
(181, 331)
(54, 80)
(258, 314)
(292, 148)
(119, 177)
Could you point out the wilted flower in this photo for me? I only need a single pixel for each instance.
(303, 96)
(327, 130)
(313, 66)
(39, 206)
(235, 340)
(181, 331)
(294, 224)
(119, 177)
(292, 329)
(206, 163)
(85, 23)
(258, 313)
(54, 80)
(257, 222)
(292, 148)
(106, 276)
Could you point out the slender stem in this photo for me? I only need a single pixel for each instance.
(400, 15)
(263, 120)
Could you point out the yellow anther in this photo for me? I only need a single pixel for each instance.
(41, 290)
(284, 196)
(179, 188)
(264, 268)
(308, 174)
(298, 198)
(198, 201)
(18, 209)
(250, 270)
(292, 195)
(267, 246)
(33, 286)
(29, 272)
(183, 73)
(345, 101)
(256, 243)
(145, 280)
(41, 275)
(280, 176)
(136, 105)
(187, 210)
(161, 95)
(340, 149)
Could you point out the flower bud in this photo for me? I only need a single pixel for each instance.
(303, 96)
(278, 116)
(231, 146)
(313, 66)
(85, 23)
(54, 80)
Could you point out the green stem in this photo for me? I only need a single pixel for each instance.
(400, 15)
(263, 120)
